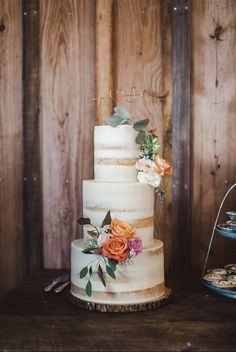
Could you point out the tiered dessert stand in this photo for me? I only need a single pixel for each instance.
(227, 230)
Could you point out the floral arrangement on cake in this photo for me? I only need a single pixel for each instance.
(150, 166)
(114, 242)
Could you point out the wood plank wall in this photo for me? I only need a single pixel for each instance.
(181, 205)
(67, 79)
(80, 43)
(32, 214)
(11, 149)
(141, 59)
(214, 123)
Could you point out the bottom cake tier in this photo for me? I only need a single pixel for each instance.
(136, 283)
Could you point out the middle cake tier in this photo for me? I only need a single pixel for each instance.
(132, 202)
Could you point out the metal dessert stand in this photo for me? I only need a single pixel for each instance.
(225, 232)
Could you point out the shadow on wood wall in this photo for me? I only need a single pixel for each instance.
(59, 53)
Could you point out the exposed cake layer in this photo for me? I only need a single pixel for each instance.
(115, 153)
(142, 281)
(132, 202)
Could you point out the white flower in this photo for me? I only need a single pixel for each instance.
(142, 177)
(103, 236)
(106, 228)
(152, 178)
(132, 253)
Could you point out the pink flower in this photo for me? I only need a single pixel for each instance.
(146, 165)
(135, 245)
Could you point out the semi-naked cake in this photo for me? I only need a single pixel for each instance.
(115, 188)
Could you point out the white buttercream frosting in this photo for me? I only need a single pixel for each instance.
(132, 202)
(115, 153)
(116, 188)
(146, 272)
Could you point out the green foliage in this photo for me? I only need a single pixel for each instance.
(87, 251)
(110, 272)
(89, 288)
(83, 272)
(150, 146)
(140, 137)
(121, 116)
(101, 275)
(161, 195)
(112, 263)
(141, 125)
(90, 270)
(92, 233)
(122, 112)
(107, 220)
(84, 221)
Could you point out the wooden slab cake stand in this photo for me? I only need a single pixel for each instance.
(120, 308)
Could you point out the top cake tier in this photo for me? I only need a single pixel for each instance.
(115, 153)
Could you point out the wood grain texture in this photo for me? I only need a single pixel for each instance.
(141, 59)
(214, 124)
(164, 213)
(104, 69)
(32, 182)
(46, 322)
(11, 224)
(181, 211)
(67, 81)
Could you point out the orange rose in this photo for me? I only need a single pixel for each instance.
(162, 166)
(116, 248)
(120, 228)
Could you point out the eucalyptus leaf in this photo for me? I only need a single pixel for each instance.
(107, 220)
(112, 263)
(122, 112)
(110, 272)
(84, 221)
(90, 271)
(114, 121)
(141, 125)
(87, 251)
(89, 288)
(83, 272)
(101, 275)
(140, 137)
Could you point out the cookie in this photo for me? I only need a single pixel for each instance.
(231, 268)
(219, 271)
(213, 277)
(224, 284)
(232, 278)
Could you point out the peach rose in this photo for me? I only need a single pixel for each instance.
(116, 248)
(120, 228)
(162, 166)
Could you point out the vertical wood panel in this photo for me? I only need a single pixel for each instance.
(164, 214)
(32, 182)
(104, 77)
(11, 228)
(67, 119)
(138, 59)
(214, 116)
(181, 135)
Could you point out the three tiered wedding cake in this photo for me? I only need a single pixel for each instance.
(118, 262)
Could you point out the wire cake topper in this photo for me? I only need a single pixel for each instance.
(118, 95)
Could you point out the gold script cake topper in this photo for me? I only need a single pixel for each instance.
(120, 95)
